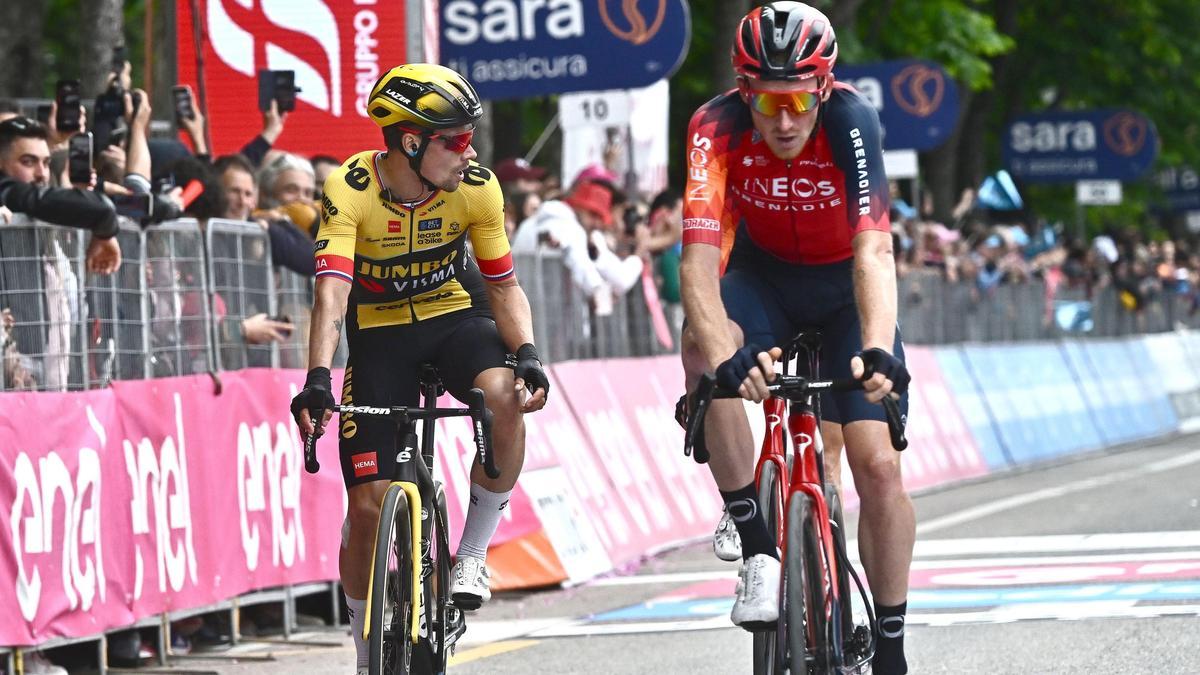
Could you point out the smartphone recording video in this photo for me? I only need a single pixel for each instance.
(79, 159)
(184, 107)
(66, 97)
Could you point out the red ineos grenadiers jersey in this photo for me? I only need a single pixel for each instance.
(804, 211)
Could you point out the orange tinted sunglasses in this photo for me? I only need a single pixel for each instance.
(770, 103)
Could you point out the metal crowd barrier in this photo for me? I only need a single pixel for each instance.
(243, 285)
(566, 326)
(934, 311)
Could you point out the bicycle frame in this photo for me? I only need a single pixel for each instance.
(807, 472)
(416, 478)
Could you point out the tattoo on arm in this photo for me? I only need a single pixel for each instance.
(337, 326)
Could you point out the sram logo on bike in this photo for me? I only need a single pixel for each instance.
(365, 464)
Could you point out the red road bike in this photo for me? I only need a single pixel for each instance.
(816, 632)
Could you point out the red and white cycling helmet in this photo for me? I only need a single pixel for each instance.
(784, 41)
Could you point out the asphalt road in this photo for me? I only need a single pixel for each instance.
(1088, 567)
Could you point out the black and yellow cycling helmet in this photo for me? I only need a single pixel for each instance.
(423, 97)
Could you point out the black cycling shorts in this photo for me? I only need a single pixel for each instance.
(383, 370)
(771, 300)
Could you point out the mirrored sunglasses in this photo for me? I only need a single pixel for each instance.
(458, 143)
(770, 103)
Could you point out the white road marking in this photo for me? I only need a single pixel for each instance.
(1055, 611)
(984, 510)
(671, 578)
(1058, 543)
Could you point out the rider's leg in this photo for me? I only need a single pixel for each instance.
(887, 522)
(833, 443)
(886, 533)
(731, 453)
(358, 544)
(475, 356)
(489, 496)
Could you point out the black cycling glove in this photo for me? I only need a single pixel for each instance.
(316, 397)
(529, 368)
(734, 370)
(876, 360)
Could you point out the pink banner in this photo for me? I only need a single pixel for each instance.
(626, 464)
(940, 446)
(155, 496)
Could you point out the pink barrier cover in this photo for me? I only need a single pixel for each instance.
(154, 496)
(940, 446)
(625, 460)
(159, 495)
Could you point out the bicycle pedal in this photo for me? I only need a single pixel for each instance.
(456, 625)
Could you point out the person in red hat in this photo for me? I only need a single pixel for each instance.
(576, 226)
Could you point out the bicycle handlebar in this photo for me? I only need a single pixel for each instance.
(785, 386)
(480, 416)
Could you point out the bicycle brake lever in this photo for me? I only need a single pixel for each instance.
(895, 422)
(311, 464)
(481, 418)
(702, 397)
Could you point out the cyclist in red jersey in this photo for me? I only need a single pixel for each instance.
(786, 226)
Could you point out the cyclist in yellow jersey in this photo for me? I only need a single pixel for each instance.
(393, 263)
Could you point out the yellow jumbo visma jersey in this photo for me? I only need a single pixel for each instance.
(409, 262)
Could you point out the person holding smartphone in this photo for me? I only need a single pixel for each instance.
(25, 188)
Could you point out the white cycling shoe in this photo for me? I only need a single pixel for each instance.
(757, 604)
(727, 543)
(469, 583)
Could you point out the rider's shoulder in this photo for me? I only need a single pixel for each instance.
(724, 106)
(355, 174)
(479, 179)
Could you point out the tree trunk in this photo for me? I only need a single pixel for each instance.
(164, 59)
(843, 15)
(103, 22)
(940, 166)
(728, 14)
(21, 62)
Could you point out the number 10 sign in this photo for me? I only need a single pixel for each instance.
(594, 109)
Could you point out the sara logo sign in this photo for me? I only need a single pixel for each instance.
(917, 101)
(1181, 187)
(337, 49)
(517, 48)
(1110, 144)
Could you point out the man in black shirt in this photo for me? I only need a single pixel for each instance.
(24, 188)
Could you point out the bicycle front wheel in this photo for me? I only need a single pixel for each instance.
(807, 625)
(390, 610)
(767, 655)
(432, 650)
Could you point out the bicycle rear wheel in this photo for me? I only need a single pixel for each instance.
(390, 610)
(807, 627)
(845, 614)
(767, 659)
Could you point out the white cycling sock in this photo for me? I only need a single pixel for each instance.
(357, 609)
(483, 517)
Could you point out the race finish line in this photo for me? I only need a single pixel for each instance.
(1132, 575)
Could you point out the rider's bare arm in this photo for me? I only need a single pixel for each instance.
(700, 289)
(510, 307)
(875, 288)
(328, 317)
